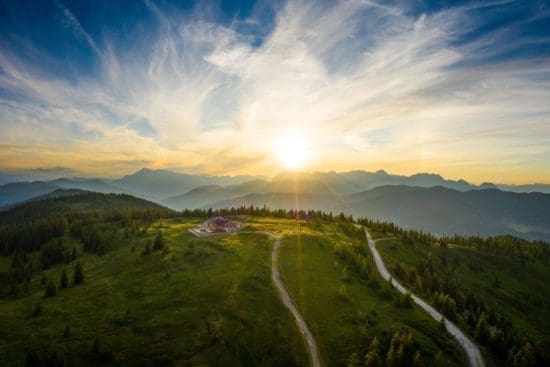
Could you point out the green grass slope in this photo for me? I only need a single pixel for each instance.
(197, 302)
(510, 286)
(344, 324)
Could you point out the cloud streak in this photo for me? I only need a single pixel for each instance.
(205, 94)
(71, 22)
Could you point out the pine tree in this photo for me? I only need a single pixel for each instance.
(372, 359)
(31, 359)
(439, 360)
(78, 274)
(64, 281)
(147, 249)
(67, 331)
(96, 347)
(343, 292)
(443, 324)
(353, 360)
(51, 290)
(390, 357)
(416, 359)
(482, 330)
(37, 309)
(159, 242)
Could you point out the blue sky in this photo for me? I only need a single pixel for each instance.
(105, 87)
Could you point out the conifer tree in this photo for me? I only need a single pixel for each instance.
(353, 360)
(51, 290)
(37, 309)
(159, 242)
(67, 331)
(372, 359)
(64, 281)
(96, 347)
(78, 274)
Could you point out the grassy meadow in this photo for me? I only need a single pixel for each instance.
(199, 302)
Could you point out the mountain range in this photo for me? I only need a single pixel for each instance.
(422, 201)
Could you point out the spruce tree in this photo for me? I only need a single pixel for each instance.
(64, 281)
(67, 331)
(78, 274)
(442, 324)
(96, 348)
(353, 360)
(37, 309)
(159, 242)
(51, 290)
(372, 359)
(147, 249)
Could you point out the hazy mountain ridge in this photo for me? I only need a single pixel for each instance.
(17, 192)
(436, 210)
(165, 185)
(87, 184)
(161, 184)
(423, 201)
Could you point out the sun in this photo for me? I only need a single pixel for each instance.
(291, 150)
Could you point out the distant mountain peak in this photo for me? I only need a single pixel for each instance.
(488, 185)
(428, 175)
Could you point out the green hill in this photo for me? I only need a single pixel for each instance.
(153, 293)
(61, 202)
(495, 289)
(97, 279)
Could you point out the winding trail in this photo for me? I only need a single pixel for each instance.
(287, 301)
(472, 351)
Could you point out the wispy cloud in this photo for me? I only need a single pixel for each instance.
(205, 94)
(71, 22)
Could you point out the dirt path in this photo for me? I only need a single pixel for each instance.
(472, 352)
(285, 297)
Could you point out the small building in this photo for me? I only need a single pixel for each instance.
(219, 225)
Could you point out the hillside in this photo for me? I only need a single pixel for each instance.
(494, 289)
(62, 202)
(149, 281)
(194, 301)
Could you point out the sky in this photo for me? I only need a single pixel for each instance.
(219, 87)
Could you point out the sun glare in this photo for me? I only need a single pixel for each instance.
(291, 150)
